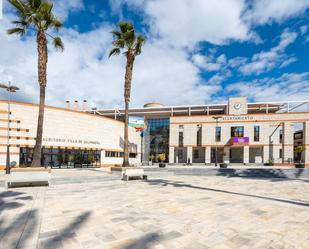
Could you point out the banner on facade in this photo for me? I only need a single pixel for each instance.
(137, 122)
(240, 140)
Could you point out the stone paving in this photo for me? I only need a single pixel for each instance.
(192, 212)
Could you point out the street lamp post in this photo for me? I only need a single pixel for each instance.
(216, 150)
(10, 88)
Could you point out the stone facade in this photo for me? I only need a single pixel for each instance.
(63, 128)
(275, 143)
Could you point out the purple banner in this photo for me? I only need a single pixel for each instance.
(240, 140)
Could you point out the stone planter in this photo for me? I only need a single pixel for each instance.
(162, 165)
(223, 165)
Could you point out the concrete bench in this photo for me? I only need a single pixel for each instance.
(28, 178)
(133, 173)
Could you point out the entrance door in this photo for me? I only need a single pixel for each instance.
(237, 155)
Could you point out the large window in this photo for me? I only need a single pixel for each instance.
(256, 133)
(237, 131)
(118, 154)
(218, 134)
(56, 157)
(180, 135)
(199, 135)
(157, 140)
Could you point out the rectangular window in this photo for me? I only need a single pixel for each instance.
(280, 153)
(196, 154)
(237, 131)
(256, 133)
(280, 136)
(218, 134)
(199, 135)
(180, 135)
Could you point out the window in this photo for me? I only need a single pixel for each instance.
(256, 133)
(218, 134)
(237, 131)
(280, 136)
(199, 135)
(280, 153)
(180, 154)
(180, 135)
(196, 154)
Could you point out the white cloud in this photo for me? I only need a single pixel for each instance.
(265, 11)
(83, 71)
(267, 60)
(289, 86)
(61, 9)
(209, 63)
(187, 22)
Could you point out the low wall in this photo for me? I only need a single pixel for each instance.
(230, 172)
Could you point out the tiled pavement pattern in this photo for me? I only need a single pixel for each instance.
(193, 212)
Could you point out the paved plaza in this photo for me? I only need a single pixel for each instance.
(94, 209)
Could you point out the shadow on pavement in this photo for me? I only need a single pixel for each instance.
(16, 234)
(64, 234)
(8, 200)
(180, 184)
(144, 242)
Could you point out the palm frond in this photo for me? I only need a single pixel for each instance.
(139, 43)
(56, 23)
(35, 4)
(20, 6)
(119, 43)
(125, 26)
(117, 34)
(19, 31)
(58, 44)
(114, 51)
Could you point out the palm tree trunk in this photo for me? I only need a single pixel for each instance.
(42, 65)
(127, 94)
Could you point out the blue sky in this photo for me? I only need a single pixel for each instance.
(197, 52)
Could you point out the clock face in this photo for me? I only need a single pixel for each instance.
(237, 106)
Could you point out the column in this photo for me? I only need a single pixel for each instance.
(171, 155)
(266, 154)
(246, 154)
(306, 143)
(226, 156)
(287, 143)
(102, 159)
(189, 154)
(208, 154)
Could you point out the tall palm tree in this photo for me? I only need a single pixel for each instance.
(127, 40)
(37, 16)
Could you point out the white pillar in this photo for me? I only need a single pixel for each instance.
(246, 154)
(306, 143)
(226, 156)
(207, 154)
(265, 154)
(171, 155)
(287, 142)
(189, 154)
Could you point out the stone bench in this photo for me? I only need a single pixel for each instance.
(30, 178)
(133, 173)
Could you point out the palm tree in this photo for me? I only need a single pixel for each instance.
(126, 39)
(37, 16)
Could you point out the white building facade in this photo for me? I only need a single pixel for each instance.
(70, 138)
(235, 132)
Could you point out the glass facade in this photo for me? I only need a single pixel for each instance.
(156, 138)
(55, 157)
